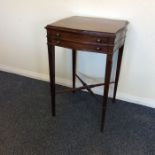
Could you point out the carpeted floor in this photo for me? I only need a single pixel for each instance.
(27, 128)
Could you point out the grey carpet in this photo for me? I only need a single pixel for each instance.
(27, 128)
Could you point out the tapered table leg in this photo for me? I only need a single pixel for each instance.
(119, 60)
(51, 54)
(73, 68)
(106, 88)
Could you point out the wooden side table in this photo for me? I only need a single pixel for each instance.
(87, 34)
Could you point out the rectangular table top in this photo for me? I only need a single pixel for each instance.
(91, 24)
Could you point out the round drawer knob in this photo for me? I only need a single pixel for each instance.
(98, 48)
(58, 42)
(98, 40)
(58, 34)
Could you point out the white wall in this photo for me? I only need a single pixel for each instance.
(23, 42)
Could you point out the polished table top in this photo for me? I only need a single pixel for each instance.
(90, 24)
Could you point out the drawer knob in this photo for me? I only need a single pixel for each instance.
(58, 42)
(99, 40)
(58, 34)
(98, 48)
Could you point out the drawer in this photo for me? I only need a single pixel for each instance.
(75, 37)
(81, 46)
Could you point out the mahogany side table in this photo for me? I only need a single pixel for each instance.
(87, 34)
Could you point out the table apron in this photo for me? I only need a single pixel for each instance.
(83, 47)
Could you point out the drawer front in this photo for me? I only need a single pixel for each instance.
(77, 38)
(81, 46)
